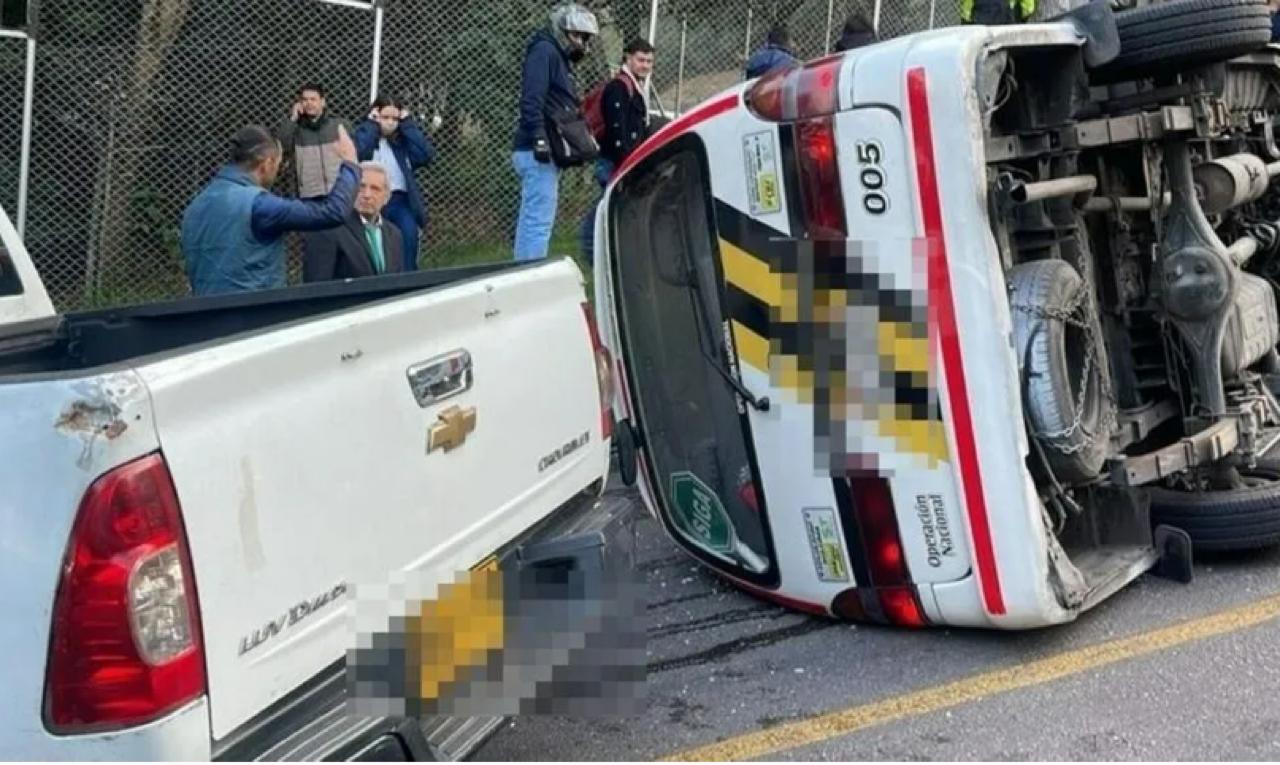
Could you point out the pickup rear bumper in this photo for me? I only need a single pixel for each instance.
(593, 534)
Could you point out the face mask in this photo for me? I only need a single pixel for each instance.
(577, 48)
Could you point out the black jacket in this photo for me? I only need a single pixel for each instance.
(546, 87)
(343, 252)
(626, 118)
(851, 39)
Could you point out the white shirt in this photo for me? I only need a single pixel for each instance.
(384, 156)
(641, 89)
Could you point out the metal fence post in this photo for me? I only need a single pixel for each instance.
(826, 40)
(746, 47)
(28, 109)
(375, 67)
(653, 40)
(684, 41)
(933, 10)
(875, 20)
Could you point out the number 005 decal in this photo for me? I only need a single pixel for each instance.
(871, 175)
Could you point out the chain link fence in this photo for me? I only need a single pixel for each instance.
(135, 101)
(703, 47)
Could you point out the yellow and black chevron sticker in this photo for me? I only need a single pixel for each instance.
(835, 333)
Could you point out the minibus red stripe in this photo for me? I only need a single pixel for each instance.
(942, 300)
(682, 124)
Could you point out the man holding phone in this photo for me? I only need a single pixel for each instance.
(310, 139)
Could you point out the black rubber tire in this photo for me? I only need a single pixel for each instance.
(1221, 521)
(1051, 364)
(1184, 34)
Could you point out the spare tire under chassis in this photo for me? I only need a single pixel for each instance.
(1063, 366)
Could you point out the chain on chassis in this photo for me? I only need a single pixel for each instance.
(1140, 236)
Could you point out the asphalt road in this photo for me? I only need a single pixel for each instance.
(725, 667)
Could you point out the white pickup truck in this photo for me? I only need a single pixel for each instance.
(193, 493)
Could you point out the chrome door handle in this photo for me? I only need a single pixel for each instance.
(441, 378)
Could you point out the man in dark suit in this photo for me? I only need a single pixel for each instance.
(365, 244)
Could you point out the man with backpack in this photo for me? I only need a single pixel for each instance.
(617, 112)
(551, 132)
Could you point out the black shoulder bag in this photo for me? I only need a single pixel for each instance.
(572, 144)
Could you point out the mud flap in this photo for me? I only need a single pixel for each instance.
(1096, 23)
(1174, 546)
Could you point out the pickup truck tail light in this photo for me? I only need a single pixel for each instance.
(890, 596)
(604, 372)
(126, 643)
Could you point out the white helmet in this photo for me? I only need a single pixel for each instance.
(572, 17)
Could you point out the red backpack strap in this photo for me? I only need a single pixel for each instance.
(627, 81)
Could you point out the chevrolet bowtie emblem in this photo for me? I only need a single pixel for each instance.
(452, 430)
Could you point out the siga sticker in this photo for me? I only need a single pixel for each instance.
(824, 542)
(699, 515)
(761, 155)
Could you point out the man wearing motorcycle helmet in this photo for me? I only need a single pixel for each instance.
(546, 86)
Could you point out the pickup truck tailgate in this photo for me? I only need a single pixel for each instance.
(303, 465)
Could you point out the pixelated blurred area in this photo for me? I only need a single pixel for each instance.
(845, 329)
(509, 638)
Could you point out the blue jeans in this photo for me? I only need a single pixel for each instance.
(539, 192)
(401, 216)
(603, 172)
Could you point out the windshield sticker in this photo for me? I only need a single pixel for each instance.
(699, 515)
(824, 542)
(763, 190)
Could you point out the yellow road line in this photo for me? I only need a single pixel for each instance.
(1067, 664)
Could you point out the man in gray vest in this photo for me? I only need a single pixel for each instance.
(231, 231)
(310, 139)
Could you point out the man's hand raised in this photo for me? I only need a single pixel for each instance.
(346, 148)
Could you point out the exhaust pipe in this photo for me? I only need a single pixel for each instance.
(1077, 185)
(1126, 204)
